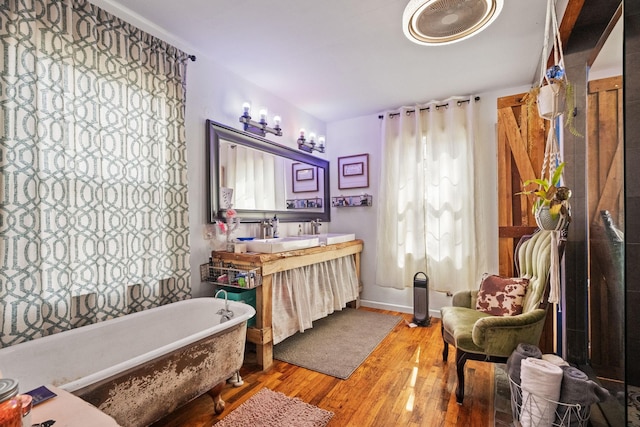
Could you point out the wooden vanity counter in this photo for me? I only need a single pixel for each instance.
(261, 333)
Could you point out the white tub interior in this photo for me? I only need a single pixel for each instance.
(82, 356)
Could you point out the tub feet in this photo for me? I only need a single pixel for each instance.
(236, 380)
(215, 393)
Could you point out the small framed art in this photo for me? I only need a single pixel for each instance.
(304, 178)
(353, 171)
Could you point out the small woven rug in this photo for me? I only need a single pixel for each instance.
(268, 408)
(337, 344)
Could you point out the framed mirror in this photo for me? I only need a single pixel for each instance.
(267, 178)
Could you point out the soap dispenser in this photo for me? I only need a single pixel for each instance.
(276, 223)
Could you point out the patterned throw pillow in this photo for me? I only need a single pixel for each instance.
(501, 296)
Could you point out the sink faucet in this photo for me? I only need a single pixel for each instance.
(315, 226)
(266, 229)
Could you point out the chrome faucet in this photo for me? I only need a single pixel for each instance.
(224, 312)
(315, 226)
(266, 229)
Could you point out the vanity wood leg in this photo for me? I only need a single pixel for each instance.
(264, 349)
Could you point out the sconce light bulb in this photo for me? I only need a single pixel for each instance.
(321, 141)
(312, 137)
(301, 133)
(263, 114)
(246, 107)
(276, 120)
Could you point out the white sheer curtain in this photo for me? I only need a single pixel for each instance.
(252, 175)
(427, 222)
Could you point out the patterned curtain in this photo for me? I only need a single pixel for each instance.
(93, 189)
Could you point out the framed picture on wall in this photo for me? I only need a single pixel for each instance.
(304, 178)
(353, 171)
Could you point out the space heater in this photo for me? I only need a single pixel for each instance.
(421, 299)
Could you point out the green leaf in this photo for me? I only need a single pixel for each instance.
(554, 210)
(556, 175)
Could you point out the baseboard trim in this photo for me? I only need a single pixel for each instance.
(395, 307)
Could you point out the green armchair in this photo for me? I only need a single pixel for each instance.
(477, 335)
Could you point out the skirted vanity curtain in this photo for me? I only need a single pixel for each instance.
(93, 191)
(427, 221)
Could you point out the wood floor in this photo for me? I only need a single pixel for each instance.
(402, 383)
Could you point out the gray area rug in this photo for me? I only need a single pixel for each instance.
(269, 408)
(338, 343)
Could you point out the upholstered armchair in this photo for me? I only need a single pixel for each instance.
(479, 335)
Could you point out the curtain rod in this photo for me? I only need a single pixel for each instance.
(460, 102)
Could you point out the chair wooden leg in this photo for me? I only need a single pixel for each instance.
(445, 348)
(461, 359)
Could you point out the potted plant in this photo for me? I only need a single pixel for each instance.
(554, 96)
(553, 92)
(551, 206)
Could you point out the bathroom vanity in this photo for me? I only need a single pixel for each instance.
(268, 264)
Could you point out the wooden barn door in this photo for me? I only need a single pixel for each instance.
(606, 214)
(521, 141)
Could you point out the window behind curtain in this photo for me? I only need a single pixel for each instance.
(93, 215)
(428, 220)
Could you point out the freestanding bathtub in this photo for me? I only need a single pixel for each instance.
(139, 367)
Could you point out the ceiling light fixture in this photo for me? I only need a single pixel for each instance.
(440, 22)
(259, 128)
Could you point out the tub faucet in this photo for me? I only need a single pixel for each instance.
(224, 312)
(315, 226)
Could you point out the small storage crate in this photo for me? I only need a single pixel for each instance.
(247, 278)
(247, 296)
(565, 414)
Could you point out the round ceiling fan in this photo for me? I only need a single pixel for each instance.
(438, 22)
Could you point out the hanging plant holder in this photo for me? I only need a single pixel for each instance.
(546, 221)
(551, 100)
(553, 83)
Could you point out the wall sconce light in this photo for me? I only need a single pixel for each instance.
(259, 127)
(310, 145)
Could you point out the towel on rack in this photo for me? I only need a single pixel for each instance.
(577, 388)
(555, 359)
(521, 352)
(541, 381)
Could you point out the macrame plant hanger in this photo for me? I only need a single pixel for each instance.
(551, 104)
(551, 99)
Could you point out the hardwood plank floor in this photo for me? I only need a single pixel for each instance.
(402, 383)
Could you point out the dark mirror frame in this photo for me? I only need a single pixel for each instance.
(216, 132)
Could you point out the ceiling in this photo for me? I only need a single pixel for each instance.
(338, 59)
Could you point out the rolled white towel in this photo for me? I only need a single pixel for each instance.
(541, 381)
(521, 352)
(555, 359)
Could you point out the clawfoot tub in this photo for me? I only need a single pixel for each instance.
(139, 367)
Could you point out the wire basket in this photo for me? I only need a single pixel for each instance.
(529, 410)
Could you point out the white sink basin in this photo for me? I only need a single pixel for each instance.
(333, 238)
(282, 244)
